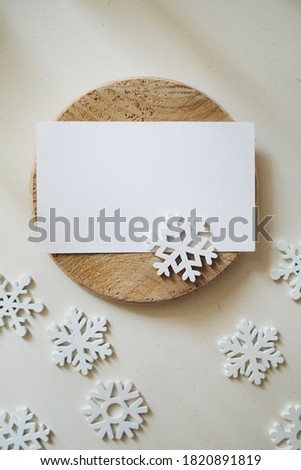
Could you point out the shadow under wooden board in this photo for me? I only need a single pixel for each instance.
(131, 277)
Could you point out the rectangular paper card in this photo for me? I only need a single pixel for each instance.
(102, 185)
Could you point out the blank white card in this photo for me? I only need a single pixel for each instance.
(101, 185)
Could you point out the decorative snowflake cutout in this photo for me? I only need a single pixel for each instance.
(15, 305)
(181, 251)
(290, 270)
(115, 410)
(251, 352)
(79, 341)
(21, 431)
(292, 432)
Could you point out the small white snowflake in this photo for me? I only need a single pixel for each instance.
(20, 431)
(115, 410)
(292, 432)
(181, 251)
(291, 270)
(79, 341)
(251, 352)
(16, 305)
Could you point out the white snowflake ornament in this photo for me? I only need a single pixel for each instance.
(20, 431)
(251, 352)
(292, 432)
(291, 270)
(181, 251)
(16, 305)
(115, 410)
(79, 341)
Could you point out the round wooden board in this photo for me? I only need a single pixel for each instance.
(132, 277)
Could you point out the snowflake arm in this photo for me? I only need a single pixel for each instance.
(79, 341)
(237, 364)
(17, 305)
(290, 270)
(291, 432)
(130, 406)
(251, 352)
(64, 347)
(21, 431)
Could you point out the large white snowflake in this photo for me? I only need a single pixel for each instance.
(21, 431)
(181, 251)
(16, 305)
(79, 341)
(291, 270)
(115, 410)
(251, 352)
(292, 432)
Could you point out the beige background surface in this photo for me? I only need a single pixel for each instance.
(243, 54)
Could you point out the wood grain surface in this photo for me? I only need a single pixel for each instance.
(131, 277)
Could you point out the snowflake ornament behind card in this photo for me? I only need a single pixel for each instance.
(291, 270)
(20, 431)
(115, 410)
(251, 352)
(182, 250)
(290, 433)
(17, 304)
(79, 341)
